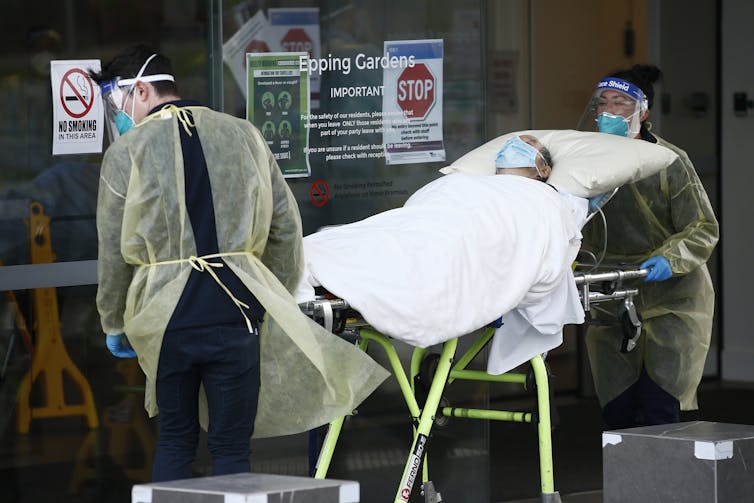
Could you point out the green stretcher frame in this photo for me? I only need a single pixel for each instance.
(446, 372)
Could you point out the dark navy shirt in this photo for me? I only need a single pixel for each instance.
(203, 301)
(645, 135)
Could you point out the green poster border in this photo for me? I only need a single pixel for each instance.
(277, 61)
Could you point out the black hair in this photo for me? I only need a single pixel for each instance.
(643, 76)
(128, 63)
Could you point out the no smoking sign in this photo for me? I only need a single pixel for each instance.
(77, 111)
(319, 193)
(76, 93)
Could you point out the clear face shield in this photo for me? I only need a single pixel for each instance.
(115, 94)
(113, 99)
(615, 108)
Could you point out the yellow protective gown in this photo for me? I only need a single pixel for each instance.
(308, 375)
(667, 214)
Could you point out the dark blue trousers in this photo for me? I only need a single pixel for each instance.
(225, 359)
(644, 403)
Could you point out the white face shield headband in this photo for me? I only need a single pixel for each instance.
(114, 97)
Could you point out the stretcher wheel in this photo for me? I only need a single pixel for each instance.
(440, 420)
(422, 383)
(427, 369)
(423, 380)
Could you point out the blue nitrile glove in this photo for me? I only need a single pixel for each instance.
(119, 346)
(497, 323)
(596, 201)
(659, 268)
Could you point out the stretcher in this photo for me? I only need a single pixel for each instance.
(442, 370)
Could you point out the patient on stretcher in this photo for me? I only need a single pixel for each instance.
(463, 250)
(524, 155)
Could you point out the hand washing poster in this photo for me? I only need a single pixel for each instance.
(278, 103)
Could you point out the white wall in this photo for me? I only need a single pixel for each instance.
(737, 223)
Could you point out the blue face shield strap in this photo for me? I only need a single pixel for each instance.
(626, 87)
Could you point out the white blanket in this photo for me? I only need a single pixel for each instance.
(460, 253)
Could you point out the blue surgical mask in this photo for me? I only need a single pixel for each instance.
(612, 124)
(123, 122)
(516, 153)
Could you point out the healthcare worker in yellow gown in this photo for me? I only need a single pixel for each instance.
(199, 246)
(664, 223)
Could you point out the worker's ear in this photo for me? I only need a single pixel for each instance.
(142, 91)
(145, 100)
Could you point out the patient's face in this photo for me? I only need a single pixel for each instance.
(544, 170)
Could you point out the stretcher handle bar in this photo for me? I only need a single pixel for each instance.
(609, 276)
(315, 307)
(617, 294)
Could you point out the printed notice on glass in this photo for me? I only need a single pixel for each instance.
(278, 104)
(78, 114)
(412, 103)
(296, 29)
(248, 38)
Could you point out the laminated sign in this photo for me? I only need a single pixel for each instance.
(77, 120)
(277, 103)
(412, 102)
(296, 29)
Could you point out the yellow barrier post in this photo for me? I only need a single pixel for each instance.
(50, 360)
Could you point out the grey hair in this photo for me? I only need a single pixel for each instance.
(546, 156)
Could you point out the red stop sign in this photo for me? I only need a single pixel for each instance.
(296, 40)
(416, 91)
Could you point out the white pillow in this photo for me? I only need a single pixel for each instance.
(584, 163)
